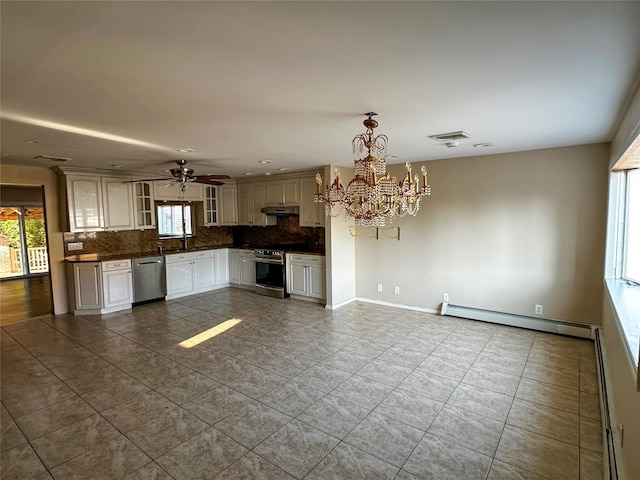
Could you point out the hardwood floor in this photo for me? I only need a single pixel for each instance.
(24, 298)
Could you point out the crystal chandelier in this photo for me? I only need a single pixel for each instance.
(373, 194)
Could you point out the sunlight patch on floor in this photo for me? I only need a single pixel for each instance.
(212, 332)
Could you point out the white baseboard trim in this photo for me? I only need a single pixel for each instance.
(397, 305)
(341, 304)
(532, 323)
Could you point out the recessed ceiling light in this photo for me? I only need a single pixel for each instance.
(249, 173)
(284, 169)
(264, 162)
(267, 173)
(117, 166)
(483, 145)
(7, 155)
(184, 150)
(391, 156)
(32, 141)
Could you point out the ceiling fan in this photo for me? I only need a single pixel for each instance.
(183, 175)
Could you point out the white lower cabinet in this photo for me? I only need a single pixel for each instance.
(306, 276)
(196, 272)
(242, 267)
(100, 287)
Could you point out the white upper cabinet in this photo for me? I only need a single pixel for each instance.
(193, 191)
(311, 213)
(211, 206)
(251, 199)
(118, 204)
(282, 192)
(228, 210)
(84, 202)
(145, 213)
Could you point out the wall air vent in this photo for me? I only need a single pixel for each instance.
(53, 159)
(450, 137)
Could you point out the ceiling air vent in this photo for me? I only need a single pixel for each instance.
(53, 159)
(450, 137)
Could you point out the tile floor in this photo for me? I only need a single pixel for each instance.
(293, 391)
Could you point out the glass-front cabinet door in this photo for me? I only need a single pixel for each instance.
(145, 213)
(211, 206)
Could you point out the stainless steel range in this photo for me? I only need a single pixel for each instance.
(271, 273)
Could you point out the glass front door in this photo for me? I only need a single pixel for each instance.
(23, 241)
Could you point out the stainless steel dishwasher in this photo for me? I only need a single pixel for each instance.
(149, 279)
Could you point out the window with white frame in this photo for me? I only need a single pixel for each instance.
(174, 220)
(631, 237)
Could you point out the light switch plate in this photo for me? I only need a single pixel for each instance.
(75, 246)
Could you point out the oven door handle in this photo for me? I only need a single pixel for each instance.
(270, 261)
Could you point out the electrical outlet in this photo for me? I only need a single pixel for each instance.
(538, 310)
(379, 287)
(445, 297)
(75, 246)
(396, 290)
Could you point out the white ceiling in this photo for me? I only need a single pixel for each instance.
(241, 82)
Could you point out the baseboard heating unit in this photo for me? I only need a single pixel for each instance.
(609, 441)
(533, 323)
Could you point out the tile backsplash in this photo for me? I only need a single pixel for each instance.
(287, 231)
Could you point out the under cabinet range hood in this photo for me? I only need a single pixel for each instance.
(284, 211)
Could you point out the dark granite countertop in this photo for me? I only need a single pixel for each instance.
(97, 257)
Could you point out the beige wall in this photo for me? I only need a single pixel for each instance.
(340, 252)
(502, 233)
(19, 175)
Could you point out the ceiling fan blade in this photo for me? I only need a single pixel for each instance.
(171, 183)
(146, 180)
(216, 177)
(211, 179)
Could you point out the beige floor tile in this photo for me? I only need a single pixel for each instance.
(385, 438)
(491, 378)
(435, 457)
(61, 414)
(334, 416)
(554, 375)
(468, 429)
(217, 404)
(347, 462)
(480, 400)
(591, 435)
(409, 408)
(589, 406)
(292, 398)
(551, 422)
(166, 431)
(433, 386)
(187, 388)
(252, 424)
(202, 456)
(252, 466)
(113, 459)
(503, 471)
(20, 462)
(151, 471)
(454, 369)
(538, 454)
(68, 442)
(384, 372)
(549, 395)
(114, 393)
(361, 391)
(296, 448)
(591, 465)
(137, 411)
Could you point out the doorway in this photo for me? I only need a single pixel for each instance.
(25, 283)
